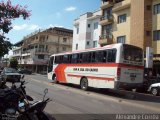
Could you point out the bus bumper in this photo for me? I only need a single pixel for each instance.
(123, 85)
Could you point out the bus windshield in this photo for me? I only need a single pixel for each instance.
(132, 53)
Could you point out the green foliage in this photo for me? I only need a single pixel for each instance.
(13, 63)
(20, 66)
(5, 46)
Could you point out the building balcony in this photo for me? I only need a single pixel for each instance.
(106, 20)
(34, 42)
(109, 3)
(121, 5)
(35, 51)
(41, 51)
(26, 54)
(17, 55)
(106, 3)
(105, 39)
(32, 61)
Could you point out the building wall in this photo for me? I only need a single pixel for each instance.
(86, 33)
(81, 36)
(36, 48)
(17, 52)
(137, 23)
(148, 23)
(121, 29)
(156, 26)
(140, 26)
(57, 45)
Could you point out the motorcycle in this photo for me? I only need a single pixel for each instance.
(10, 98)
(35, 111)
(15, 103)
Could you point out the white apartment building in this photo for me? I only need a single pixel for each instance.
(17, 53)
(86, 31)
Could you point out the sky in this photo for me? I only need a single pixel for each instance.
(49, 13)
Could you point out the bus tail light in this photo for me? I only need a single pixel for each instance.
(118, 71)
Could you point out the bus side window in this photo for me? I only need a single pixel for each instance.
(74, 58)
(80, 58)
(100, 56)
(86, 57)
(93, 57)
(104, 56)
(65, 59)
(89, 57)
(111, 55)
(61, 59)
(69, 58)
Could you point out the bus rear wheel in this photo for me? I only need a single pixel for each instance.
(154, 91)
(84, 84)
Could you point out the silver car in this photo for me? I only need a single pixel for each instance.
(154, 89)
(10, 75)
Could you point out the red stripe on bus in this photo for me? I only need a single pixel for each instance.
(92, 77)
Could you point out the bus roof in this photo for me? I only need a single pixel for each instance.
(92, 49)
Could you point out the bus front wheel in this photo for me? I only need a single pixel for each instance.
(54, 79)
(84, 84)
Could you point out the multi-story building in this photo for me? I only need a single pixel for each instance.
(135, 22)
(17, 51)
(37, 47)
(86, 31)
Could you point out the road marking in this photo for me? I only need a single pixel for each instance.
(100, 97)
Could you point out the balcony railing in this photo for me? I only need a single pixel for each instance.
(35, 51)
(107, 17)
(112, 1)
(106, 36)
(122, 4)
(106, 39)
(108, 3)
(34, 61)
(106, 20)
(41, 50)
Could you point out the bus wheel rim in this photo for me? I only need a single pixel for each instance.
(154, 91)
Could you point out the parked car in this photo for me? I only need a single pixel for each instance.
(154, 89)
(10, 75)
(25, 71)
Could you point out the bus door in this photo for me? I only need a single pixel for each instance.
(50, 68)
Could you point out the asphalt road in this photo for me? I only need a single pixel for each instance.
(69, 102)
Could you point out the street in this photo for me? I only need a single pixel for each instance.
(69, 100)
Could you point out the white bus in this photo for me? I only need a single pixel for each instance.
(113, 66)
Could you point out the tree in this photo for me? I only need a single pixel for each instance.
(8, 12)
(13, 63)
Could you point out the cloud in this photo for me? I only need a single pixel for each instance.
(26, 27)
(33, 27)
(71, 8)
(20, 27)
(55, 25)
